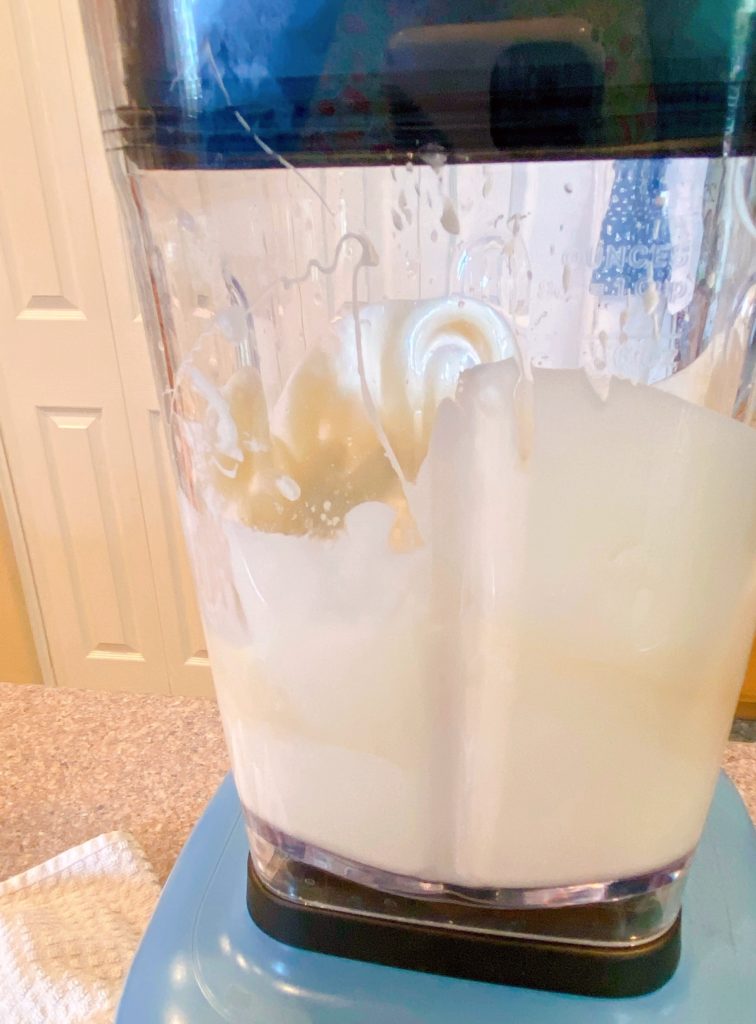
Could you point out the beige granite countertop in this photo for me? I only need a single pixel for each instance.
(74, 764)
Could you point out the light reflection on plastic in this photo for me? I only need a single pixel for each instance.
(289, 989)
(174, 1016)
(185, 40)
(280, 967)
(178, 971)
(225, 944)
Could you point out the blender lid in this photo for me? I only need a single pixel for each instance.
(252, 83)
(202, 960)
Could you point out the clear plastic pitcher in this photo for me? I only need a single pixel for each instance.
(467, 469)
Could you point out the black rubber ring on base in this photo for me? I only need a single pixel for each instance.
(613, 972)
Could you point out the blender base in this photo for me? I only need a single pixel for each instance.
(203, 960)
(576, 968)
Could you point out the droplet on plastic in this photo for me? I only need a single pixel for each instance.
(231, 322)
(651, 298)
(449, 218)
(186, 221)
(433, 155)
(600, 383)
(404, 207)
(396, 218)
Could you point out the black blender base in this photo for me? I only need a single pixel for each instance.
(558, 967)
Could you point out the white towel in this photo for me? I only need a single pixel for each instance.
(69, 929)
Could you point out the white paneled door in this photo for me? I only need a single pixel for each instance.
(78, 411)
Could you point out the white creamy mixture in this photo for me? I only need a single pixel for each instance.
(484, 661)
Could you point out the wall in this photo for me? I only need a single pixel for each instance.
(747, 706)
(18, 658)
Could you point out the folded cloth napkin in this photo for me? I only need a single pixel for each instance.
(69, 929)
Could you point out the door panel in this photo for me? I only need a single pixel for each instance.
(186, 654)
(183, 640)
(88, 465)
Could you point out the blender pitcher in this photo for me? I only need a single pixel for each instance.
(452, 309)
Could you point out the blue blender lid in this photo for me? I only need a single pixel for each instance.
(246, 83)
(203, 961)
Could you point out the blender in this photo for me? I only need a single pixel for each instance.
(452, 312)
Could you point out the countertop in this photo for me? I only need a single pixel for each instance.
(74, 764)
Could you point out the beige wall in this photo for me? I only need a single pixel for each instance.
(18, 659)
(747, 706)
